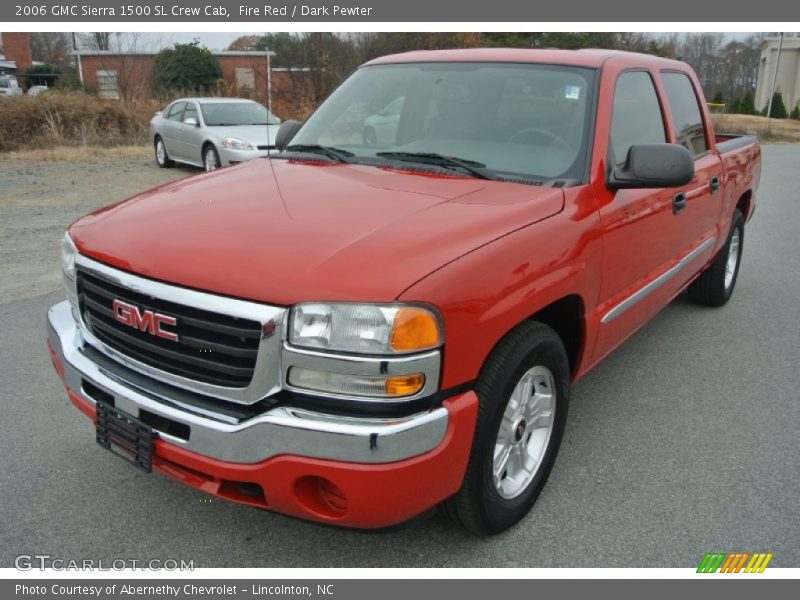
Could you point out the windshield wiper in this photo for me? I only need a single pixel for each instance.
(472, 167)
(336, 154)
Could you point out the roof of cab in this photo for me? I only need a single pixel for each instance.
(590, 57)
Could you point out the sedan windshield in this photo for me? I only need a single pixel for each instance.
(499, 119)
(236, 113)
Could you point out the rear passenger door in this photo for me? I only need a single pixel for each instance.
(703, 195)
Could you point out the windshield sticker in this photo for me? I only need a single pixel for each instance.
(572, 92)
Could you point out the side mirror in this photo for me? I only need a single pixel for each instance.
(191, 121)
(653, 166)
(286, 132)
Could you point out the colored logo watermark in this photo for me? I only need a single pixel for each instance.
(734, 562)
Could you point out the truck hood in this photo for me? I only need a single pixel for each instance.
(284, 231)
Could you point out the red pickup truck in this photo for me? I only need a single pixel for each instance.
(387, 316)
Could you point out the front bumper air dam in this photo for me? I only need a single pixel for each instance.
(354, 489)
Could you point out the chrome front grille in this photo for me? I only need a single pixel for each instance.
(225, 347)
(211, 347)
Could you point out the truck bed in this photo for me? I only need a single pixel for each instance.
(728, 142)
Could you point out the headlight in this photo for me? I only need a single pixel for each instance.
(68, 254)
(237, 144)
(364, 328)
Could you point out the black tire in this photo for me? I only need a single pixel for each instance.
(711, 288)
(166, 162)
(369, 136)
(478, 506)
(211, 160)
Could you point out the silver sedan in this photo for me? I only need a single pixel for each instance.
(212, 132)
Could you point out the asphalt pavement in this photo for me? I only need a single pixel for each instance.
(684, 441)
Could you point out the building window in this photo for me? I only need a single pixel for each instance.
(245, 78)
(107, 83)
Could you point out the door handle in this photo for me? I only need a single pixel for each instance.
(678, 203)
(713, 185)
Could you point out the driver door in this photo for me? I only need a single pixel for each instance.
(642, 235)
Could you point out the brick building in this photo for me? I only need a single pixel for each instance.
(16, 50)
(130, 74)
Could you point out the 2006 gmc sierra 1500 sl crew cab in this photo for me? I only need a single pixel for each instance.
(364, 327)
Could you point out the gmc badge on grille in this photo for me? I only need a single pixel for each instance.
(144, 320)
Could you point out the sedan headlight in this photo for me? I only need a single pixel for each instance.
(364, 328)
(68, 254)
(237, 144)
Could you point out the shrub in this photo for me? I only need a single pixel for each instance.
(42, 75)
(185, 67)
(733, 108)
(778, 107)
(718, 98)
(795, 114)
(60, 118)
(747, 106)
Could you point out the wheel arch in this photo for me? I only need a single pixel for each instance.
(565, 317)
(744, 203)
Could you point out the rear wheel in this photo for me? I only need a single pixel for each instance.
(162, 158)
(715, 286)
(523, 393)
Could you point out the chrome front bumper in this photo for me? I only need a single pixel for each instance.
(280, 430)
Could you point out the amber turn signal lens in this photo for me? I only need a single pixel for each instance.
(404, 385)
(414, 329)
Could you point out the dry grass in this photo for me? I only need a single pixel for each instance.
(72, 119)
(78, 154)
(768, 130)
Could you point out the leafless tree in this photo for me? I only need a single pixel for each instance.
(51, 47)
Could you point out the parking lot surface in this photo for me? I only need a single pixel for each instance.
(684, 441)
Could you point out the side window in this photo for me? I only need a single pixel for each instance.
(635, 115)
(191, 112)
(685, 112)
(176, 112)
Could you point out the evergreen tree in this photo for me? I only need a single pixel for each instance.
(778, 107)
(747, 106)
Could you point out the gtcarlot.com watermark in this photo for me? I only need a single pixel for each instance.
(43, 562)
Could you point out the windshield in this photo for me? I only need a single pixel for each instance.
(236, 113)
(525, 119)
(5, 83)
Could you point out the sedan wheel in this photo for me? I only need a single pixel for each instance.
(211, 159)
(162, 158)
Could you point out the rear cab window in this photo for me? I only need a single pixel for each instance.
(636, 116)
(684, 108)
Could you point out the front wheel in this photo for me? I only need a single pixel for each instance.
(523, 394)
(715, 285)
(211, 158)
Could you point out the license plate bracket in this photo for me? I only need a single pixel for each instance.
(125, 436)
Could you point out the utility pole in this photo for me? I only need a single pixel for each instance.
(77, 57)
(269, 74)
(775, 77)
